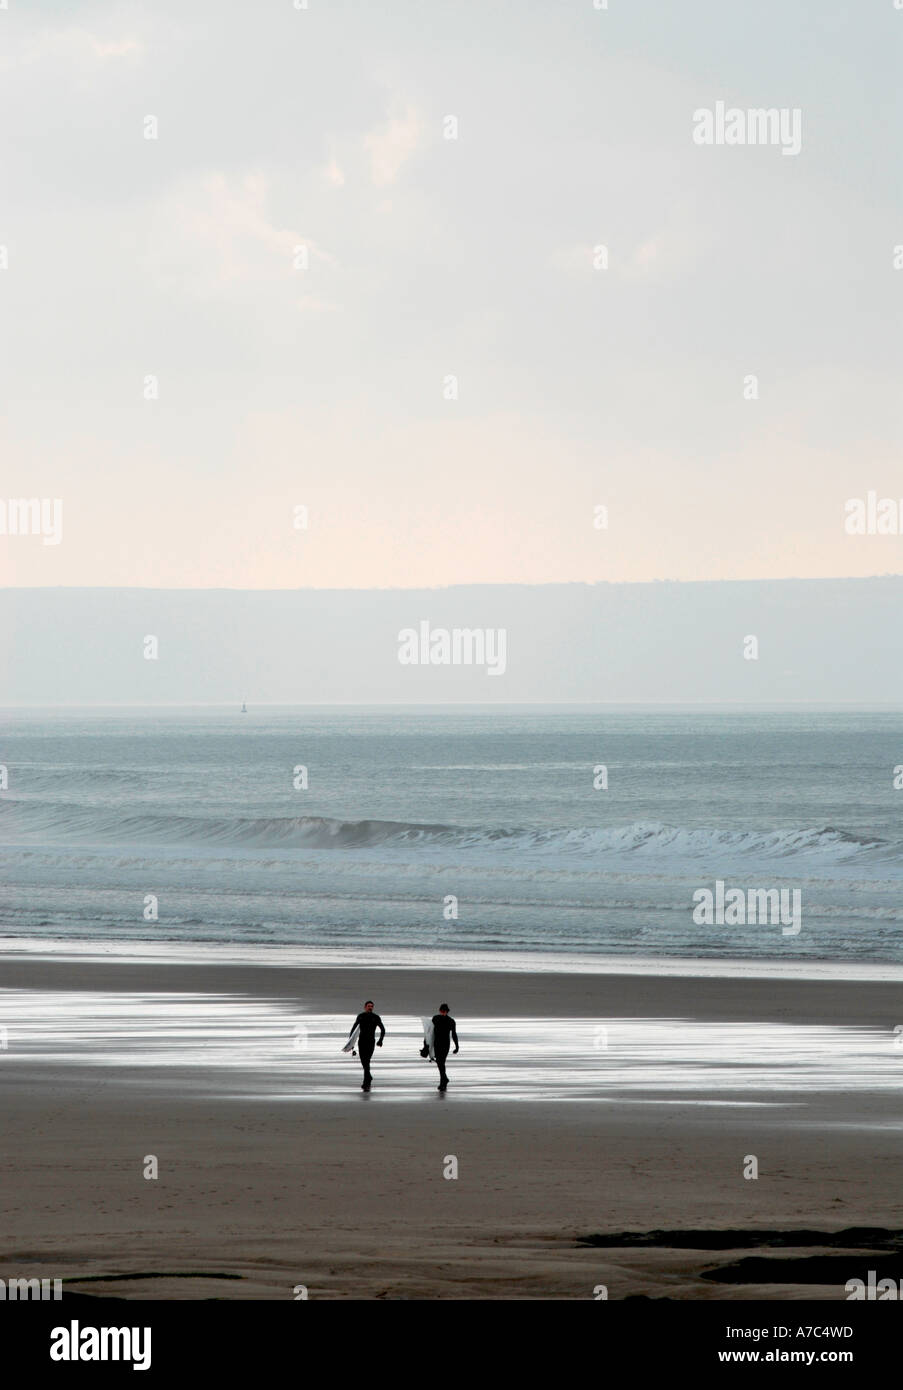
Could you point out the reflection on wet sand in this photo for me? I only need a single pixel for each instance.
(244, 1046)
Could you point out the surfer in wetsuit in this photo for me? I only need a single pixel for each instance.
(444, 1033)
(368, 1022)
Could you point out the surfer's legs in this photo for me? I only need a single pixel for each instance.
(365, 1052)
(440, 1063)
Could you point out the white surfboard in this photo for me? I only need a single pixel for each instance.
(429, 1036)
(352, 1041)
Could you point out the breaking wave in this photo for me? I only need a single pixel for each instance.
(35, 821)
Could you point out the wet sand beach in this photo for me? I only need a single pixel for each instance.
(599, 1124)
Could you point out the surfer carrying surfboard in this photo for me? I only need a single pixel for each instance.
(444, 1033)
(365, 1026)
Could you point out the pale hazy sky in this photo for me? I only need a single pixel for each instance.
(430, 257)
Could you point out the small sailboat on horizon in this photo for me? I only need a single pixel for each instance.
(244, 708)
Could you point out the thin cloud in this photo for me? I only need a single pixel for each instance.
(71, 45)
(219, 233)
(392, 145)
(333, 174)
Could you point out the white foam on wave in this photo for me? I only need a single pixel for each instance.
(31, 820)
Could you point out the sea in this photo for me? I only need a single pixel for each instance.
(463, 831)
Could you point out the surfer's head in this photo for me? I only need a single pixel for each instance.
(368, 1005)
(443, 1008)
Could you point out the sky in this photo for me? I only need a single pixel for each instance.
(453, 385)
(828, 641)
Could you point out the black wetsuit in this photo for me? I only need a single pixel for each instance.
(443, 1034)
(366, 1038)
